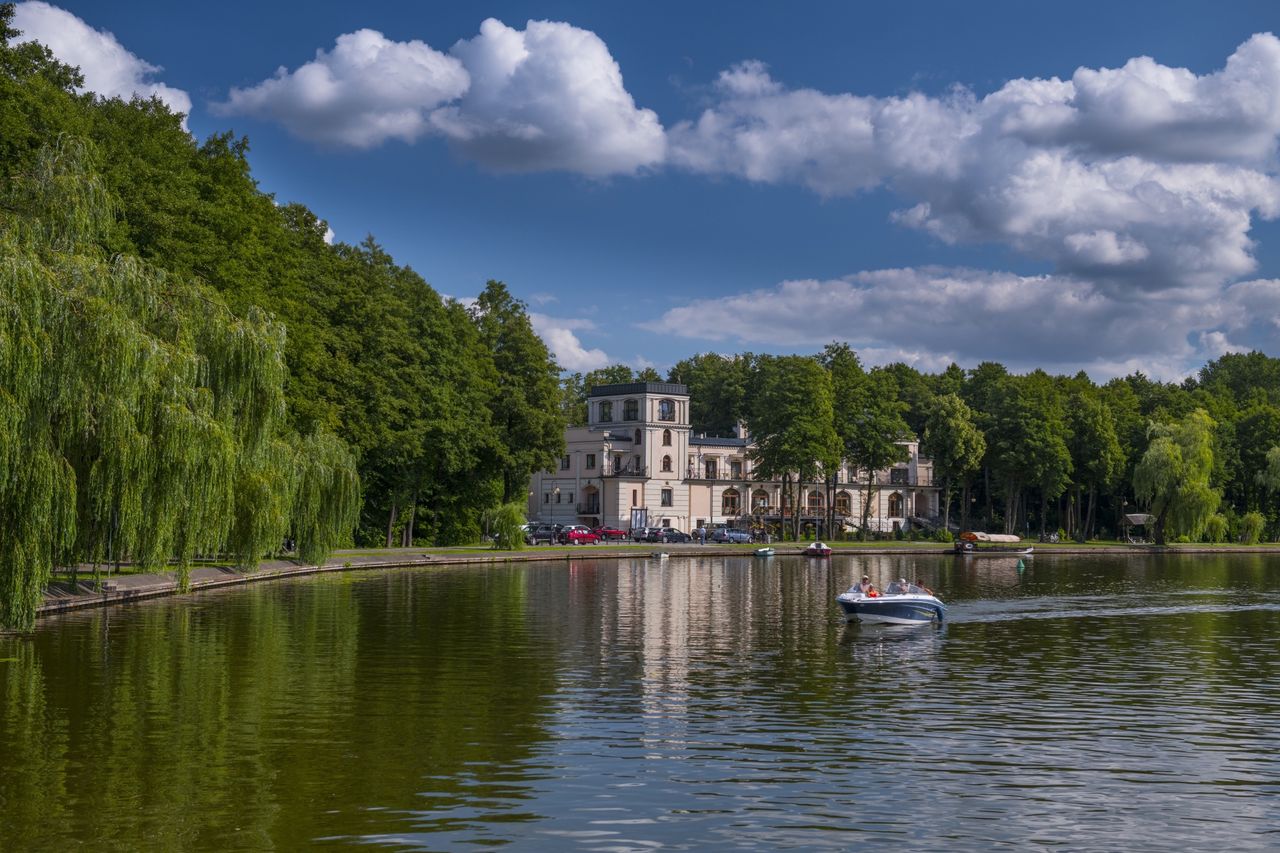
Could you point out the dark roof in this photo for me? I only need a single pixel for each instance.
(639, 388)
(712, 441)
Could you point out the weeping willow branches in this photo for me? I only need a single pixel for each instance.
(140, 419)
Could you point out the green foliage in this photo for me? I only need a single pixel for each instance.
(955, 444)
(1215, 528)
(943, 535)
(1251, 526)
(717, 390)
(505, 524)
(1173, 476)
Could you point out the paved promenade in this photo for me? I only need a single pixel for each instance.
(123, 588)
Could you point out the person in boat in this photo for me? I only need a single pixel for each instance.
(865, 586)
(920, 585)
(899, 587)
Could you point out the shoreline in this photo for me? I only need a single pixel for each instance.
(60, 597)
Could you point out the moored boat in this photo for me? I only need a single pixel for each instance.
(817, 549)
(901, 604)
(764, 552)
(977, 544)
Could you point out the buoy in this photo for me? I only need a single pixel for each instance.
(1022, 566)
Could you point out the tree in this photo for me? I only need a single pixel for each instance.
(140, 418)
(1173, 476)
(1027, 444)
(1096, 457)
(791, 424)
(525, 408)
(717, 390)
(955, 444)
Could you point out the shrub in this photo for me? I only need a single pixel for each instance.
(1215, 529)
(1251, 524)
(942, 535)
(505, 524)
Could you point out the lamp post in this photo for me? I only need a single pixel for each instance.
(556, 492)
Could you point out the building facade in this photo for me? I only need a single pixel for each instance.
(638, 464)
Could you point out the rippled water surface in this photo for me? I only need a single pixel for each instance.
(598, 705)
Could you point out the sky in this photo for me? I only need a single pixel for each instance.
(1085, 186)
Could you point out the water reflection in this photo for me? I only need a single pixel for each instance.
(630, 705)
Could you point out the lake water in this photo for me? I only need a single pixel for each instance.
(600, 705)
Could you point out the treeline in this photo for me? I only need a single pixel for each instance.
(278, 351)
(1027, 454)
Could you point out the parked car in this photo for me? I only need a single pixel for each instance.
(728, 534)
(546, 533)
(669, 534)
(611, 534)
(578, 534)
(641, 534)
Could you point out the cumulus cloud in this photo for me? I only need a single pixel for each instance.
(368, 89)
(559, 334)
(108, 69)
(548, 97)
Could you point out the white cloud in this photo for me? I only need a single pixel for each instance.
(368, 89)
(108, 69)
(931, 316)
(558, 333)
(1143, 177)
(549, 97)
(329, 236)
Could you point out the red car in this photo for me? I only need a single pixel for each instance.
(610, 533)
(578, 535)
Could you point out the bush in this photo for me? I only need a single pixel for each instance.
(942, 535)
(1251, 524)
(506, 524)
(1215, 529)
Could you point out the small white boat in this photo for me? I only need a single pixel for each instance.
(901, 604)
(817, 549)
(764, 552)
(659, 555)
(977, 544)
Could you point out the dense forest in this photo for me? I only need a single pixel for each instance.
(188, 368)
(1028, 454)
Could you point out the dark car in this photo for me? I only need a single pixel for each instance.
(670, 534)
(641, 534)
(545, 533)
(611, 534)
(728, 534)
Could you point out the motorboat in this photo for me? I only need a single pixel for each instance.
(978, 544)
(764, 552)
(901, 603)
(817, 549)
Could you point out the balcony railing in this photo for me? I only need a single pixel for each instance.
(588, 509)
(627, 471)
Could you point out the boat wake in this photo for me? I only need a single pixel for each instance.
(1101, 607)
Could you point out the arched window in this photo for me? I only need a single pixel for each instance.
(631, 411)
(638, 437)
(606, 412)
(666, 438)
(666, 463)
(844, 504)
(895, 505)
(759, 499)
(729, 502)
(815, 501)
(666, 410)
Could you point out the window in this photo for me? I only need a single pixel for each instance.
(666, 497)
(735, 469)
(759, 499)
(591, 462)
(570, 498)
(631, 411)
(844, 504)
(666, 463)
(617, 464)
(666, 410)
(639, 467)
(564, 463)
(729, 502)
(633, 498)
(895, 505)
(638, 438)
(666, 438)
(546, 497)
(815, 501)
(709, 467)
(898, 476)
(666, 522)
(606, 411)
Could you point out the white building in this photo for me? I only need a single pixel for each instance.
(637, 464)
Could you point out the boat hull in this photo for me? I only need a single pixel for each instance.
(908, 609)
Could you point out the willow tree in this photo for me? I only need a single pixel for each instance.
(1173, 476)
(139, 418)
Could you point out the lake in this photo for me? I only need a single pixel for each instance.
(619, 705)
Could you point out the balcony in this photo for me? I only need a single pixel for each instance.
(592, 508)
(627, 471)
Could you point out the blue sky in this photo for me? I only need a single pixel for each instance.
(928, 181)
